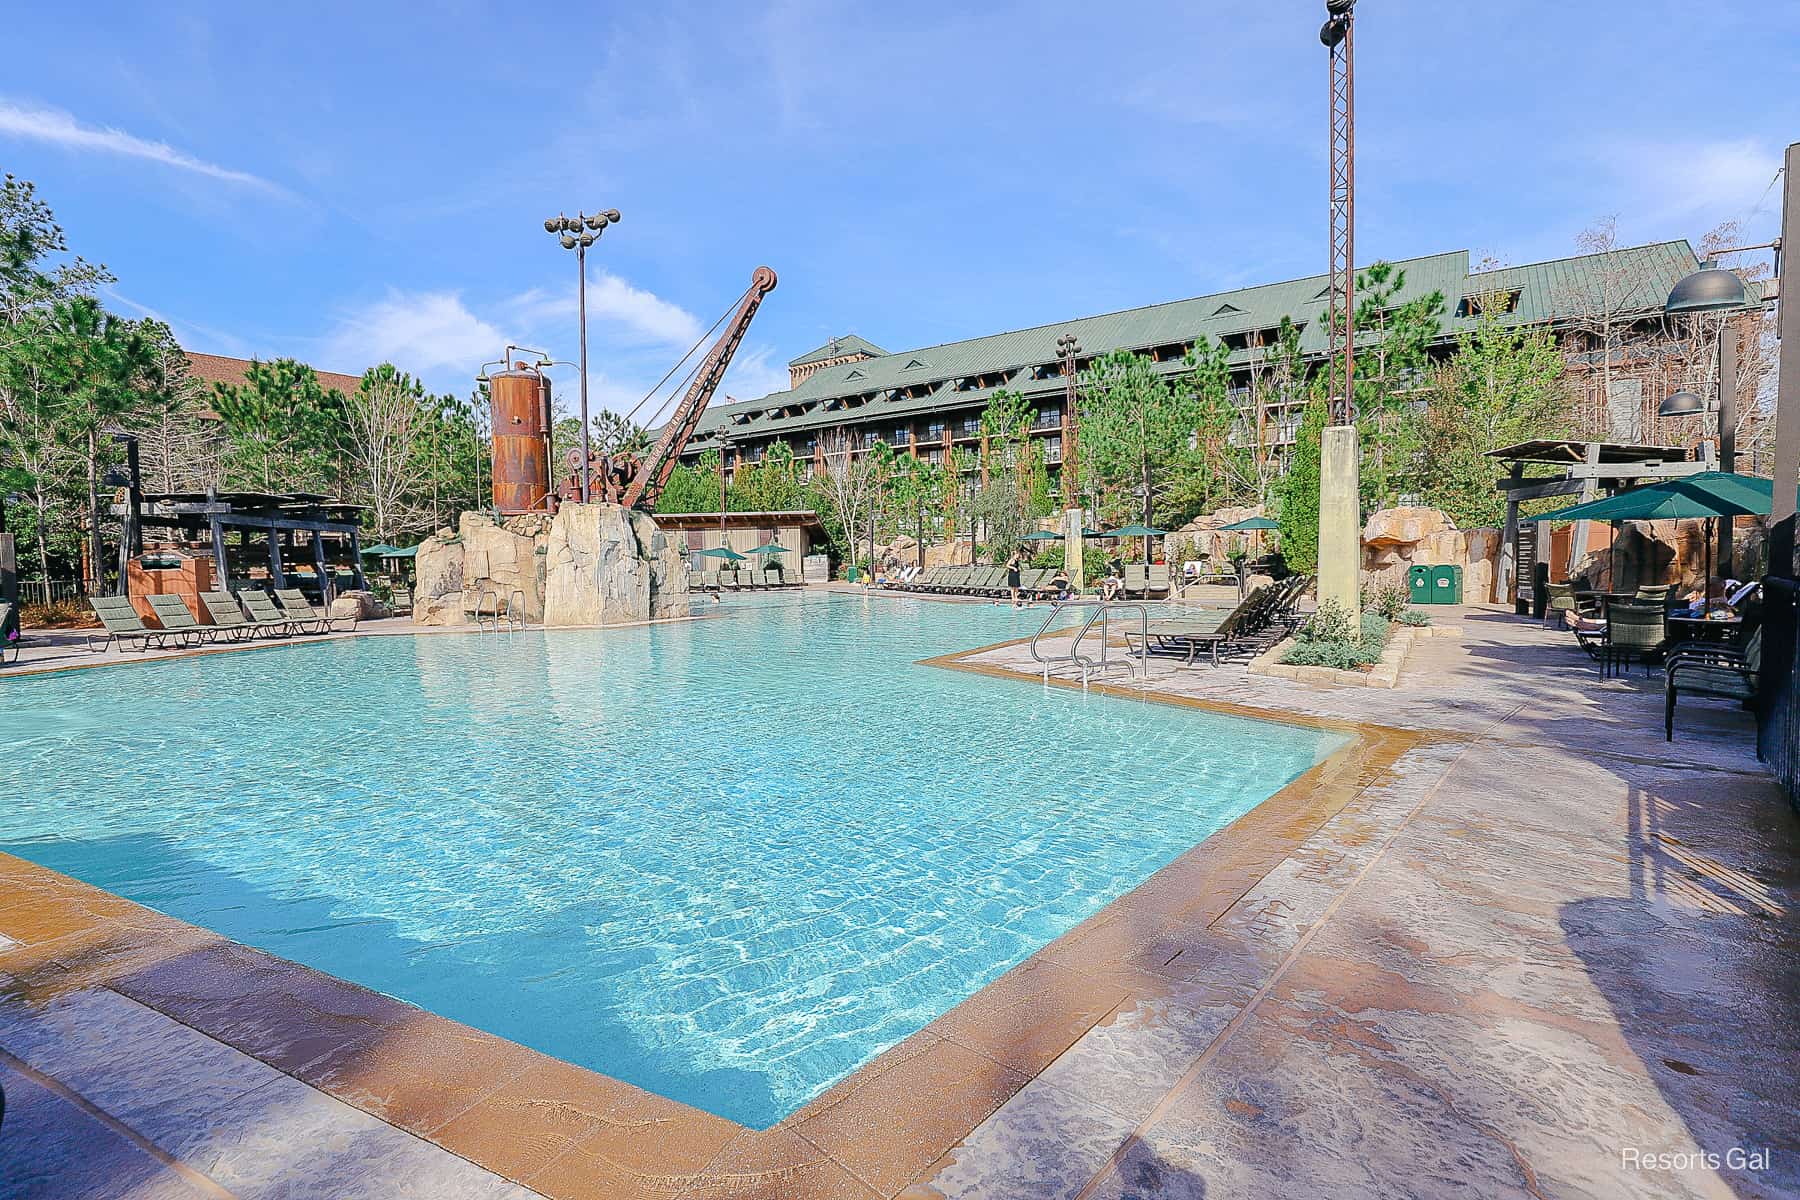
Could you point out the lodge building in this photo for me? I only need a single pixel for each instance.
(929, 400)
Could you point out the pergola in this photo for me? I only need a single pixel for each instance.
(209, 517)
(1586, 468)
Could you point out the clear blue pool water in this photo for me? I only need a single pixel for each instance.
(728, 861)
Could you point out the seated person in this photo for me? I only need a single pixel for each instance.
(1190, 570)
(1060, 582)
(1729, 596)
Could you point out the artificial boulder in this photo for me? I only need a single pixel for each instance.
(358, 605)
(483, 557)
(668, 568)
(438, 580)
(955, 553)
(1397, 539)
(606, 565)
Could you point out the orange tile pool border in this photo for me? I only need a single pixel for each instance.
(569, 1132)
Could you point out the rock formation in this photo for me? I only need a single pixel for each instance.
(1203, 538)
(1396, 539)
(605, 564)
(481, 556)
(592, 564)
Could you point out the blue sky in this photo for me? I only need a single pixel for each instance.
(346, 183)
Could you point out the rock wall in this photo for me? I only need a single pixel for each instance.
(668, 568)
(1653, 552)
(605, 565)
(481, 556)
(592, 564)
(1202, 538)
(1395, 539)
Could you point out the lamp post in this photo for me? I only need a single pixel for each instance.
(1712, 289)
(1340, 451)
(577, 233)
(1339, 37)
(1068, 349)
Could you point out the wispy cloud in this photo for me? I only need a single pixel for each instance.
(191, 334)
(59, 128)
(641, 314)
(427, 333)
(1696, 184)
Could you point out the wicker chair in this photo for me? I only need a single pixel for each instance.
(1634, 629)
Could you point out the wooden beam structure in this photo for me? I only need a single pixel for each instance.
(207, 519)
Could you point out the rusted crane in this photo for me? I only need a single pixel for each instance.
(637, 480)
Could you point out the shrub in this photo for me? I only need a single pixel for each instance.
(1326, 640)
(1093, 563)
(58, 614)
(1331, 623)
(1414, 617)
(1388, 599)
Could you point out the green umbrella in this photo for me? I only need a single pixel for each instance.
(380, 548)
(1042, 535)
(1248, 524)
(769, 548)
(1136, 531)
(720, 552)
(387, 551)
(1707, 495)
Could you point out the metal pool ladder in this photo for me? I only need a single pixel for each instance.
(509, 618)
(1100, 616)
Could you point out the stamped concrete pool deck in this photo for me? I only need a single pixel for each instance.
(1510, 943)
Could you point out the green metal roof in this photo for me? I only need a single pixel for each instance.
(965, 374)
(837, 347)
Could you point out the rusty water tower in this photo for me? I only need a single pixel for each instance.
(521, 415)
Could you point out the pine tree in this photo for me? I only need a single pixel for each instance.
(1300, 490)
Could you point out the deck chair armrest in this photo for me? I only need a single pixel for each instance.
(1672, 672)
(1702, 654)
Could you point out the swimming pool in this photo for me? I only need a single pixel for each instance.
(728, 860)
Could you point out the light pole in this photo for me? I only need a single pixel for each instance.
(1712, 289)
(577, 233)
(1340, 450)
(1339, 37)
(1068, 349)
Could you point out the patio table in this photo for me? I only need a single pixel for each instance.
(1703, 629)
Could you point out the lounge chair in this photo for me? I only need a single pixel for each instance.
(294, 603)
(1711, 669)
(401, 605)
(1187, 637)
(227, 617)
(172, 614)
(6, 624)
(728, 581)
(1157, 580)
(709, 581)
(1659, 592)
(262, 610)
(1137, 580)
(124, 626)
(1634, 629)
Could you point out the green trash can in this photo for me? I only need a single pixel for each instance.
(1447, 585)
(1418, 585)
